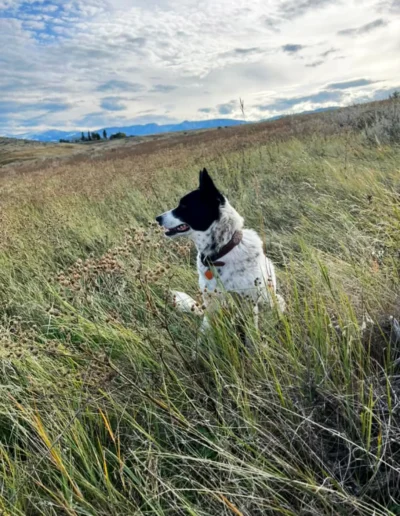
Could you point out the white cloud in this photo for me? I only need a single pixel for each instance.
(182, 60)
(34, 25)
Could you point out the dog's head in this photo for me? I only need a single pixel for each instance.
(196, 211)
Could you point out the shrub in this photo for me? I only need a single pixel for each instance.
(385, 128)
(379, 123)
(117, 136)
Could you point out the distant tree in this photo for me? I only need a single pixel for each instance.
(96, 137)
(117, 136)
(105, 134)
(83, 137)
(89, 136)
(395, 95)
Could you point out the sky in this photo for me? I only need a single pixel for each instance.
(87, 64)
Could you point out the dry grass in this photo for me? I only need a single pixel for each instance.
(103, 411)
(19, 152)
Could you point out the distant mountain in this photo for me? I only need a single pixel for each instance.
(150, 129)
(51, 135)
(133, 130)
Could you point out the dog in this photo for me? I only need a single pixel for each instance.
(230, 259)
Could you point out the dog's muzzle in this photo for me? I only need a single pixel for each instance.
(172, 231)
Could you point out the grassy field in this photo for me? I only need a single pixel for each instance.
(103, 410)
(18, 152)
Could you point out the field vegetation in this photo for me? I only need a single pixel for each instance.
(104, 410)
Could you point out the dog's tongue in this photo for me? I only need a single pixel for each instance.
(177, 229)
(182, 227)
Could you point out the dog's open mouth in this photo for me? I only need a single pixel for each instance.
(182, 228)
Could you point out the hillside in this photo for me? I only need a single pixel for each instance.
(34, 155)
(105, 410)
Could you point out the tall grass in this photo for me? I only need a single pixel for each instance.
(104, 410)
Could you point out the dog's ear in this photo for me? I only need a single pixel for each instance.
(206, 183)
(208, 187)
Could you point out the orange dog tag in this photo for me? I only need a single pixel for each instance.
(209, 274)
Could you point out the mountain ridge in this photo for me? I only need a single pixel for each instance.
(55, 135)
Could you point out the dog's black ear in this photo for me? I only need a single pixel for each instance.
(205, 180)
(208, 187)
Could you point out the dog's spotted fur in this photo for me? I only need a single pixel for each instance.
(206, 217)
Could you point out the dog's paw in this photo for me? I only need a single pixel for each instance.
(184, 303)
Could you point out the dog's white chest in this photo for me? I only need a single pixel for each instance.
(205, 282)
(249, 274)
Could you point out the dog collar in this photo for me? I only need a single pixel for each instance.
(214, 259)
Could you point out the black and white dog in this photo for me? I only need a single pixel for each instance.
(230, 259)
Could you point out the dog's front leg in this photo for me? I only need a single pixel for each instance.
(256, 314)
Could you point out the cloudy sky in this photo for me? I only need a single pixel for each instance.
(86, 64)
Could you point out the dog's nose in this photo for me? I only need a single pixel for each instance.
(159, 219)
